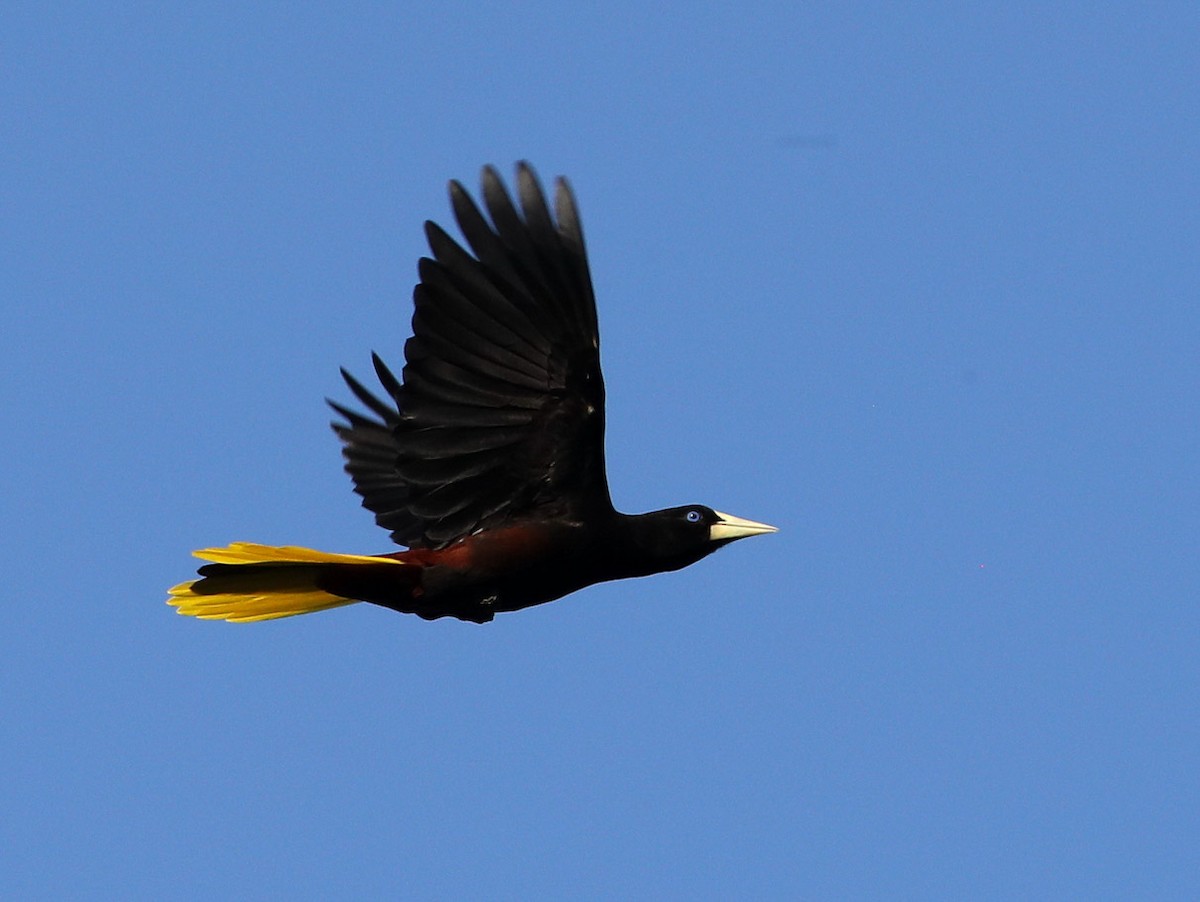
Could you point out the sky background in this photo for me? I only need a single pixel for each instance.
(917, 283)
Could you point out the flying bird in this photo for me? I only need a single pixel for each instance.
(487, 458)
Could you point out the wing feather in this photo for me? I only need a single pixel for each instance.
(499, 410)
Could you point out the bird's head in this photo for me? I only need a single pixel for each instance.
(679, 536)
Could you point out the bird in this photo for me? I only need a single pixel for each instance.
(486, 460)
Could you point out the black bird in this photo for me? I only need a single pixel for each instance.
(488, 461)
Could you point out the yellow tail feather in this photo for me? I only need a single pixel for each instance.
(262, 593)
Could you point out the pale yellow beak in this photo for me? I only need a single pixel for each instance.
(731, 527)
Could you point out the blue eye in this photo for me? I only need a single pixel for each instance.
(693, 516)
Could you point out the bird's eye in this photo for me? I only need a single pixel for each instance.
(693, 516)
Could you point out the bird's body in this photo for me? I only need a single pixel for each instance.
(488, 462)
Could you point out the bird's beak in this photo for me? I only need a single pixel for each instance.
(729, 527)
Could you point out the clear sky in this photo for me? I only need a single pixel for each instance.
(917, 283)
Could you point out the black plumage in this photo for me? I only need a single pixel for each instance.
(486, 457)
(500, 409)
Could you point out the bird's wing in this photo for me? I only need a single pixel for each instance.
(500, 411)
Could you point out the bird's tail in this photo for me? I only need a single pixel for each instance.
(247, 582)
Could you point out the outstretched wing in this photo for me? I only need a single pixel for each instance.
(500, 411)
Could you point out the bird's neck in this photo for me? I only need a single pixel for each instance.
(637, 548)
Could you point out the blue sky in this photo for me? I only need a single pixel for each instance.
(915, 282)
